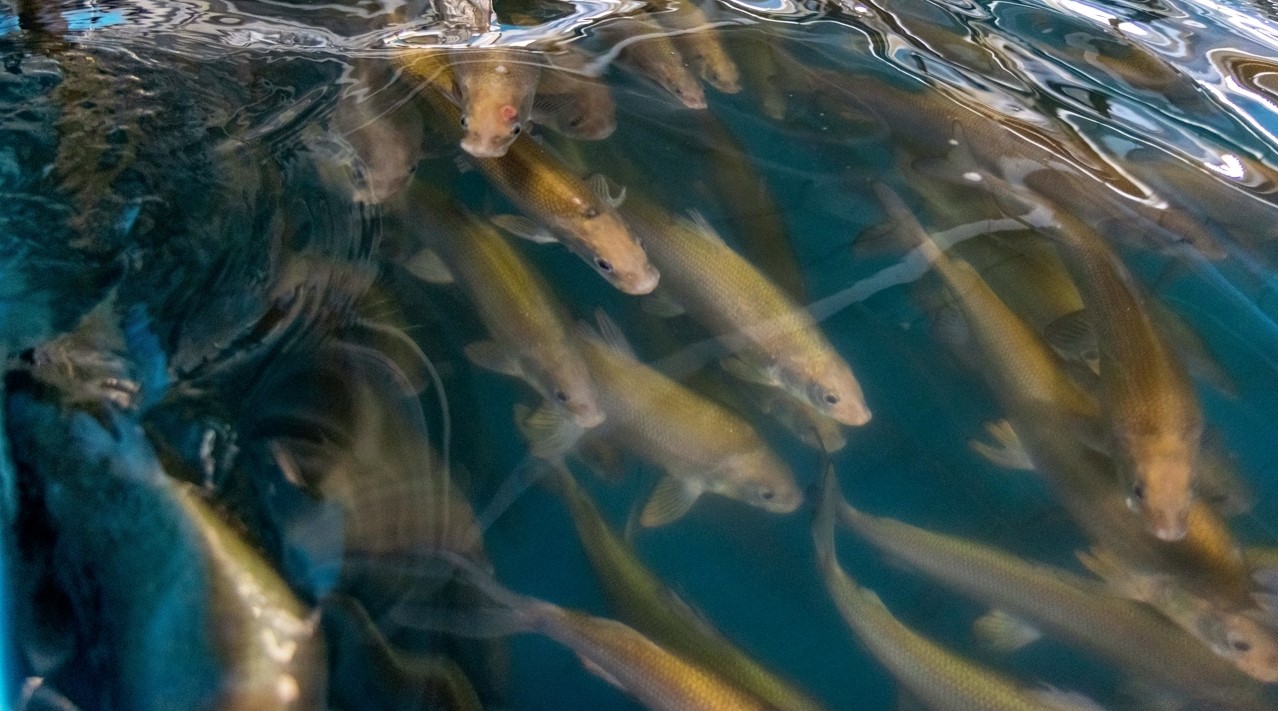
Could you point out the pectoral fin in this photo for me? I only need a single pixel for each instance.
(427, 266)
(1073, 339)
(742, 370)
(661, 304)
(549, 431)
(1002, 632)
(524, 228)
(490, 356)
(600, 672)
(669, 502)
(600, 187)
(1006, 451)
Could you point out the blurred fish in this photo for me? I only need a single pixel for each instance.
(642, 600)
(530, 336)
(369, 671)
(1048, 412)
(497, 87)
(649, 51)
(193, 615)
(1030, 599)
(761, 75)
(770, 339)
(384, 130)
(700, 446)
(658, 679)
(574, 104)
(699, 43)
(940, 679)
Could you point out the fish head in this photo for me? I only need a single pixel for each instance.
(722, 74)
(1160, 471)
(588, 120)
(568, 384)
(676, 79)
(757, 477)
(602, 239)
(487, 131)
(833, 390)
(1249, 644)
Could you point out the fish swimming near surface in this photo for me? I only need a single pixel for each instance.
(497, 88)
(701, 446)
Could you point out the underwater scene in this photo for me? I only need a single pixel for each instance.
(639, 354)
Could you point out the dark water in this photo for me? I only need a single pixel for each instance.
(194, 241)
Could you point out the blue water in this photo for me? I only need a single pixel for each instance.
(184, 163)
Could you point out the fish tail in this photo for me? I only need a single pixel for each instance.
(499, 612)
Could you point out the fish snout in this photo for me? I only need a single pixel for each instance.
(586, 414)
(483, 145)
(641, 281)
(852, 412)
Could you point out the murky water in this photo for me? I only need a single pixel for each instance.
(293, 415)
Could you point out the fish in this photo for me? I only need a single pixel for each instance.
(937, 677)
(1029, 599)
(496, 88)
(701, 446)
(769, 337)
(385, 133)
(574, 104)
(1155, 422)
(642, 600)
(530, 335)
(648, 50)
(760, 74)
(700, 45)
(194, 615)
(580, 215)
(657, 678)
(1056, 422)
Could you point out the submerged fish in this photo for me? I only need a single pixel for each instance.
(940, 679)
(1155, 423)
(384, 130)
(770, 338)
(580, 217)
(193, 615)
(574, 104)
(699, 43)
(1029, 599)
(651, 52)
(1053, 417)
(642, 600)
(701, 446)
(497, 87)
(531, 339)
(657, 678)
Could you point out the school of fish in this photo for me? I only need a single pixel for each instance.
(254, 426)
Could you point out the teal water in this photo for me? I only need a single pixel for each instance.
(192, 232)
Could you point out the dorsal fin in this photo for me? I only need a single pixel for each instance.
(698, 224)
(613, 336)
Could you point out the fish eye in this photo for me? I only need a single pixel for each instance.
(1138, 491)
(463, 121)
(516, 130)
(1241, 645)
(767, 494)
(831, 399)
(590, 212)
(561, 396)
(574, 123)
(603, 264)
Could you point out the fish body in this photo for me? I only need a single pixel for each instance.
(642, 600)
(702, 446)
(496, 87)
(194, 616)
(574, 104)
(1056, 602)
(651, 52)
(385, 133)
(699, 43)
(938, 678)
(530, 336)
(1154, 420)
(757, 322)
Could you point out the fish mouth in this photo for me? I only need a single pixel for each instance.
(854, 416)
(643, 284)
(480, 148)
(1169, 532)
(589, 418)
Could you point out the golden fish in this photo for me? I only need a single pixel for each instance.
(700, 445)
(496, 87)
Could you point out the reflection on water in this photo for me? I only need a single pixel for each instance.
(607, 354)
